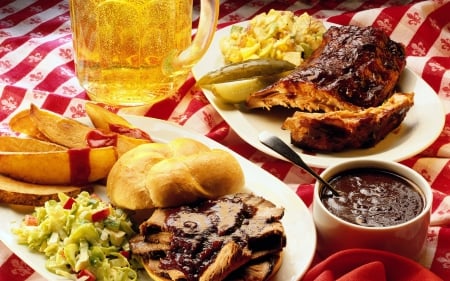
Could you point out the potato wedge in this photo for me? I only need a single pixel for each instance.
(109, 121)
(125, 143)
(22, 123)
(122, 143)
(23, 193)
(73, 166)
(102, 118)
(15, 144)
(74, 134)
(59, 129)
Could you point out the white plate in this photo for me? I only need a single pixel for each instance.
(421, 127)
(297, 220)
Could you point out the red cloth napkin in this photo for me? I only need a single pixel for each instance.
(368, 265)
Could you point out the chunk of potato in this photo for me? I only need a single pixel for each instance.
(111, 122)
(23, 193)
(22, 123)
(59, 129)
(73, 166)
(125, 143)
(74, 134)
(15, 144)
(102, 118)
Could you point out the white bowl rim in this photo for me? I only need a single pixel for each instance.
(387, 165)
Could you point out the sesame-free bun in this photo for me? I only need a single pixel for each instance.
(170, 174)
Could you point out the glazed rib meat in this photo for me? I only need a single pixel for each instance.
(354, 68)
(340, 130)
(233, 236)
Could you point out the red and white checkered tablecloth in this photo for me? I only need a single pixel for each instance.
(36, 66)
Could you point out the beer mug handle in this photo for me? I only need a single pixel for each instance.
(176, 64)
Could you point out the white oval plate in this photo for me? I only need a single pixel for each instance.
(421, 127)
(297, 220)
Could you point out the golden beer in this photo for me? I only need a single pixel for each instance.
(126, 51)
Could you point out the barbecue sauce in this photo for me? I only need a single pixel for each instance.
(374, 198)
(201, 230)
(97, 138)
(359, 65)
(129, 132)
(80, 167)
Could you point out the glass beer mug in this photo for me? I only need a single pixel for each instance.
(135, 52)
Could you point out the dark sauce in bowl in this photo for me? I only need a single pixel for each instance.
(374, 197)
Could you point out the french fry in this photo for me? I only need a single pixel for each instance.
(61, 152)
(102, 118)
(22, 123)
(22, 193)
(15, 144)
(109, 121)
(59, 129)
(74, 134)
(125, 143)
(73, 166)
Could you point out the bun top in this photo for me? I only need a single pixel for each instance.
(172, 174)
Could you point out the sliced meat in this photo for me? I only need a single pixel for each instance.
(257, 269)
(340, 130)
(354, 68)
(211, 239)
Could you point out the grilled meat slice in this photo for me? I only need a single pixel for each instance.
(354, 68)
(257, 269)
(212, 239)
(340, 130)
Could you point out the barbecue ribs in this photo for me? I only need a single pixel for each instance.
(354, 68)
(340, 130)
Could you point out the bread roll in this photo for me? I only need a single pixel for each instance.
(167, 175)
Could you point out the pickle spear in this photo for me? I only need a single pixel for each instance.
(235, 91)
(245, 70)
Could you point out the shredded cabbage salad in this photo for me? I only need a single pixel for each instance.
(83, 238)
(276, 34)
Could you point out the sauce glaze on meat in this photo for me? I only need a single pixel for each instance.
(361, 65)
(189, 239)
(354, 68)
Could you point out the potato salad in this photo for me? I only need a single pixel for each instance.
(276, 34)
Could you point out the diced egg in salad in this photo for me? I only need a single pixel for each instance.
(83, 238)
(276, 34)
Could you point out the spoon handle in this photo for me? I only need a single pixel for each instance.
(283, 149)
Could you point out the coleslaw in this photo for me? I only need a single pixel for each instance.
(276, 34)
(83, 238)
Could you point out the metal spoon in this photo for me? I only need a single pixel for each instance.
(277, 145)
